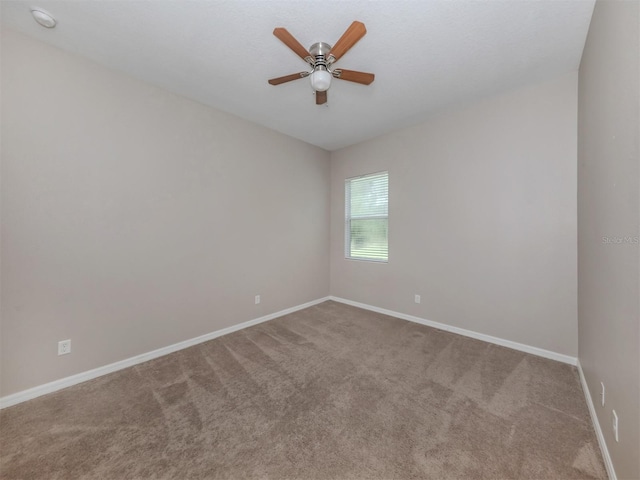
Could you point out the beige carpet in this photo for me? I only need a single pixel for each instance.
(330, 392)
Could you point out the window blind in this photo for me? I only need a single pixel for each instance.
(367, 217)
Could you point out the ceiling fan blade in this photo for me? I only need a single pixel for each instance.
(290, 41)
(288, 78)
(354, 76)
(348, 39)
(321, 97)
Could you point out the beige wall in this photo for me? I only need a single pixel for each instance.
(482, 206)
(608, 206)
(133, 218)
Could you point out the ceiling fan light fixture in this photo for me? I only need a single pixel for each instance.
(321, 56)
(320, 79)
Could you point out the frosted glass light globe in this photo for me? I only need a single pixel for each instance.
(320, 80)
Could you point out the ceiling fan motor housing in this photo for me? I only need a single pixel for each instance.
(320, 49)
(319, 52)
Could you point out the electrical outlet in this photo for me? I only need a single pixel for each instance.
(257, 299)
(416, 298)
(64, 347)
(615, 424)
(602, 394)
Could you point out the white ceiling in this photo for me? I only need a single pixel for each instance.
(426, 54)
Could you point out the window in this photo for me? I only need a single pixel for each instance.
(367, 217)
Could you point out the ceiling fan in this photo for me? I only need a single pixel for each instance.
(321, 56)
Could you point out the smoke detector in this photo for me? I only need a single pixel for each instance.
(43, 18)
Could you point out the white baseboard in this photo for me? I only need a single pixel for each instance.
(596, 425)
(560, 357)
(56, 385)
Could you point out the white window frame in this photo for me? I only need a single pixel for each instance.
(349, 217)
